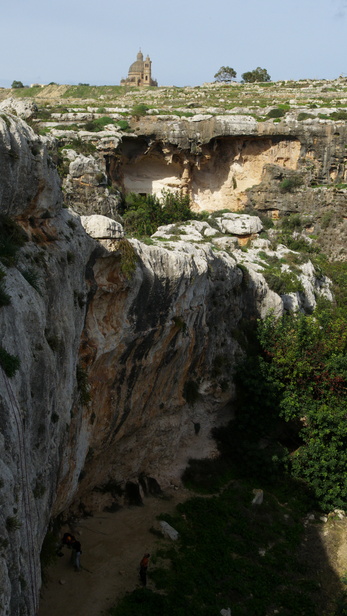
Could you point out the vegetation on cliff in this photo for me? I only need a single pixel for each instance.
(299, 374)
(142, 215)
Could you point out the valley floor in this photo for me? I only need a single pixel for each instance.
(112, 547)
(114, 543)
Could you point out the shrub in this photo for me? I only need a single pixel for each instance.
(123, 124)
(82, 385)
(305, 116)
(100, 178)
(326, 219)
(143, 215)
(12, 524)
(283, 282)
(98, 124)
(32, 277)
(4, 297)
(290, 183)
(306, 364)
(276, 113)
(291, 223)
(339, 115)
(12, 237)
(139, 110)
(81, 147)
(9, 363)
(128, 258)
(6, 119)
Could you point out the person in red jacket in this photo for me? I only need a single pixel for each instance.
(143, 568)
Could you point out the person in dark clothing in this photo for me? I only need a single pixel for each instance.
(71, 542)
(66, 540)
(143, 568)
(76, 555)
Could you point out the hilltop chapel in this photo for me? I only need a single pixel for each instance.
(140, 73)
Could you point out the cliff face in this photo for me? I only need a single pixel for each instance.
(125, 350)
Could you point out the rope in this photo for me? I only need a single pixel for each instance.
(24, 476)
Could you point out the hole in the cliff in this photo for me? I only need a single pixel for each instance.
(149, 485)
(197, 428)
(132, 491)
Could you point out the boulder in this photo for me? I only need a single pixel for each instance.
(239, 224)
(83, 165)
(100, 227)
(169, 530)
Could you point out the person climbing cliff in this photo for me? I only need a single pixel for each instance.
(143, 568)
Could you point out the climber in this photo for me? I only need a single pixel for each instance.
(143, 568)
(76, 555)
(67, 539)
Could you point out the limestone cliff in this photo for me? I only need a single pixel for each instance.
(126, 353)
(223, 162)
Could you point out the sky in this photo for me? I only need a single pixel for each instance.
(86, 41)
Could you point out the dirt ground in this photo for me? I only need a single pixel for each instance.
(114, 543)
(112, 547)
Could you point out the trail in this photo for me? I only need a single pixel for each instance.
(112, 547)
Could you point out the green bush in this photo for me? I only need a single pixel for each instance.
(98, 124)
(128, 258)
(123, 124)
(326, 219)
(283, 282)
(5, 299)
(81, 147)
(143, 215)
(12, 237)
(307, 367)
(305, 116)
(12, 524)
(276, 113)
(290, 183)
(292, 223)
(339, 115)
(9, 363)
(139, 110)
(83, 385)
(32, 277)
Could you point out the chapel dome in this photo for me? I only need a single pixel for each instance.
(137, 66)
